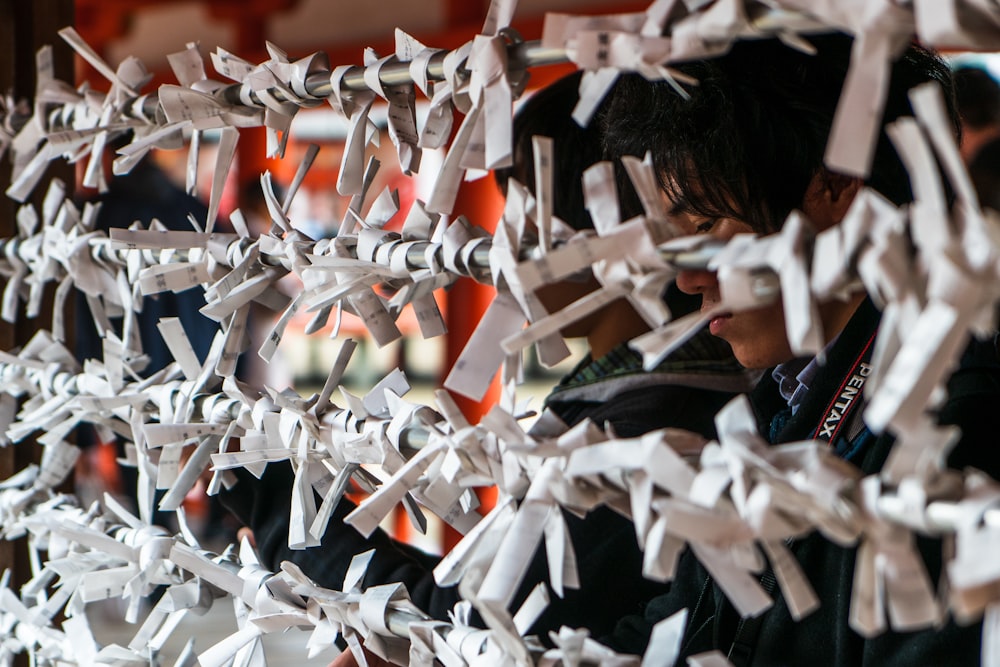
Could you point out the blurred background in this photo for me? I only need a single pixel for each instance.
(151, 29)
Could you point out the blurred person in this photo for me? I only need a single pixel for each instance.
(985, 172)
(143, 194)
(977, 94)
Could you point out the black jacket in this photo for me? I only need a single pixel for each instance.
(608, 556)
(141, 195)
(824, 637)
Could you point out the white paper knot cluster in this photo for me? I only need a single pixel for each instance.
(933, 270)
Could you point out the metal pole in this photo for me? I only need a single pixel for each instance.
(763, 23)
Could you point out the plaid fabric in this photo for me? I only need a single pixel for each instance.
(704, 354)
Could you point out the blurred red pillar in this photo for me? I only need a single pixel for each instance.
(481, 203)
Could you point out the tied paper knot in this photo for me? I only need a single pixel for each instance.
(890, 578)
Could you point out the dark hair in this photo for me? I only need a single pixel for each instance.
(549, 113)
(753, 133)
(978, 97)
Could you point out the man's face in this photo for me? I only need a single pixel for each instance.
(758, 336)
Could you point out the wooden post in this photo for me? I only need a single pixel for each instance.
(24, 28)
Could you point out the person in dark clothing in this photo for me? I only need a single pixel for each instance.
(609, 387)
(144, 194)
(985, 172)
(738, 156)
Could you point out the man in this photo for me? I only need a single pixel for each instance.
(738, 156)
(609, 387)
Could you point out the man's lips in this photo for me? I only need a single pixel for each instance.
(718, 322)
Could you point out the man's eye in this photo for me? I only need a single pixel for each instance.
(706, 226)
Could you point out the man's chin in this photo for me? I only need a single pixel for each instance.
(756, 357)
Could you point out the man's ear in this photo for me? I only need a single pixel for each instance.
(828, 197)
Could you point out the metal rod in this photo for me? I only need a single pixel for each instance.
(681, 257)
(525, 54)
(317, 84)
(225, 408)
(763, 22)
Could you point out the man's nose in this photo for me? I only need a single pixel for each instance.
(696, 282)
